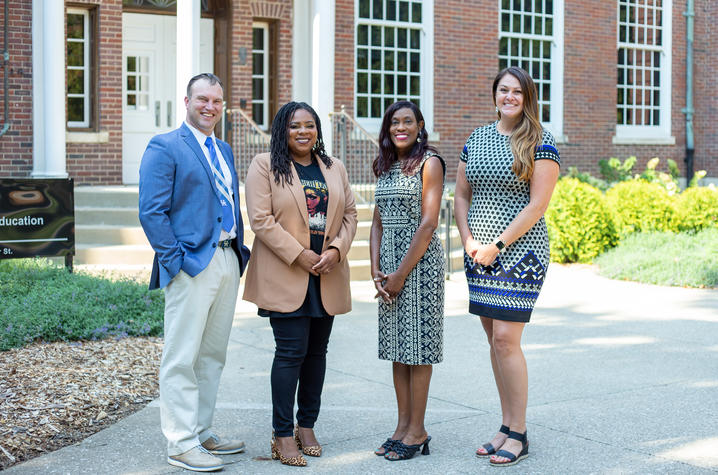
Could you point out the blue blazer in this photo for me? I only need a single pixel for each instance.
(180, 210)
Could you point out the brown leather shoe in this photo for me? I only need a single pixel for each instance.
(296, 461)
(217, 446)
(197, 459)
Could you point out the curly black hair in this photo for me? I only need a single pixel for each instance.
(281, 159)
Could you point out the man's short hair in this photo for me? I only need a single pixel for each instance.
(208, 76)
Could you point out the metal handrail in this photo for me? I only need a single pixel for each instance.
(251, 121)
(343, 112)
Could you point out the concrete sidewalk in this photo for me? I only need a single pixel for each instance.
(623, 378)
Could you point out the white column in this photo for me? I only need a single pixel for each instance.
(188, 15)
(302, 51)
(53, 91)
(323, 64)
(38, 126)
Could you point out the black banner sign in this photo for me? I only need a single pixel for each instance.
(37, 217)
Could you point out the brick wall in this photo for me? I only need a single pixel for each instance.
(16, 144)
(705, 84)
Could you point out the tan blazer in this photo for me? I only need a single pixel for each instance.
(279, 218)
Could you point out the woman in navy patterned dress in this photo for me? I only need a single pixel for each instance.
(407, 264)
(505, 179)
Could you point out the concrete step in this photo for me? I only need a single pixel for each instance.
(100, 234)
(114, 255)
(107, 196)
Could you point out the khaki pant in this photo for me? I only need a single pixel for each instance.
(198, 318)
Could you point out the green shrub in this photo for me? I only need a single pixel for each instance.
(580, 224)
(44, 302)
(642, 206)
(614, 171)
(587, 178)
(698, 208)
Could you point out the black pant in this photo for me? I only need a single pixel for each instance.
(300, 355)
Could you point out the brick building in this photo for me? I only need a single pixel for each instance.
(611, 75)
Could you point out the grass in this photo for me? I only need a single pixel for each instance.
(674, 259)
(43, 302)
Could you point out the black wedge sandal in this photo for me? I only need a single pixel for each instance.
(513, 459)
(405, 452)
(490, 449)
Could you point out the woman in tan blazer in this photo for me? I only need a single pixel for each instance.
(302, 212)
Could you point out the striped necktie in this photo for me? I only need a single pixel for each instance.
(227, 215)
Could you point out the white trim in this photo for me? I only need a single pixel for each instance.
(87, 137)
(86, 68)
(264, 27)
(426, 73)
(556, 82)
(648, 134)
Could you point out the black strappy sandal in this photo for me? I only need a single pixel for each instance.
(490, 449)
(405, 452)
(388, 446)
(513, 459)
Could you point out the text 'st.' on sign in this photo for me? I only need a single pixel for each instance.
(37, 217)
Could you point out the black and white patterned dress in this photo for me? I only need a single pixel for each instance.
(411, 330)
(506, 290)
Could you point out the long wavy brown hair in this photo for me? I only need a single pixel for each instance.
(527, 134)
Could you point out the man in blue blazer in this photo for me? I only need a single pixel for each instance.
(189, 210)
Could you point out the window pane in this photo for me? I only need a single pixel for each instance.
(415, 63)
(401, 37)
(258, 38)
(401, 85)
(75, 54)
(415, 86)
(131, 101)
(391, 10)
(75, 81)
(416, 12)
(362, 80)
(131, 83)
(131, 63)
(401, 61)
(362, 107)
(389, 36)
(376, 9)
(258, 113)
(388, 61)
(363, 35)
(75, 109)
(389, 84)
(403, 11)
(257, 63)
(362, 59)
(75, 26)
(363, 8)
(257, 89)
(415, 39)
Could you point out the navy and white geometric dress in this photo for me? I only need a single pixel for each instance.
(506, 290)
(411, 330)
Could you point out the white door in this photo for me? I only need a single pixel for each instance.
(149, 50)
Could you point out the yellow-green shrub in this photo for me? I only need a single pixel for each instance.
(698, 208)
(580, 223)
(642, 206)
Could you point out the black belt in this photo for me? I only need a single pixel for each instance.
(225, 244)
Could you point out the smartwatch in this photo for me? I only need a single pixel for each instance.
(500, 244)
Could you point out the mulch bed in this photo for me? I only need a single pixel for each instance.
(56, 394)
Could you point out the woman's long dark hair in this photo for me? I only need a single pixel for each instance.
(280, 157)
(387, 152)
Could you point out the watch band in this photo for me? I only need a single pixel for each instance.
(500, 244)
